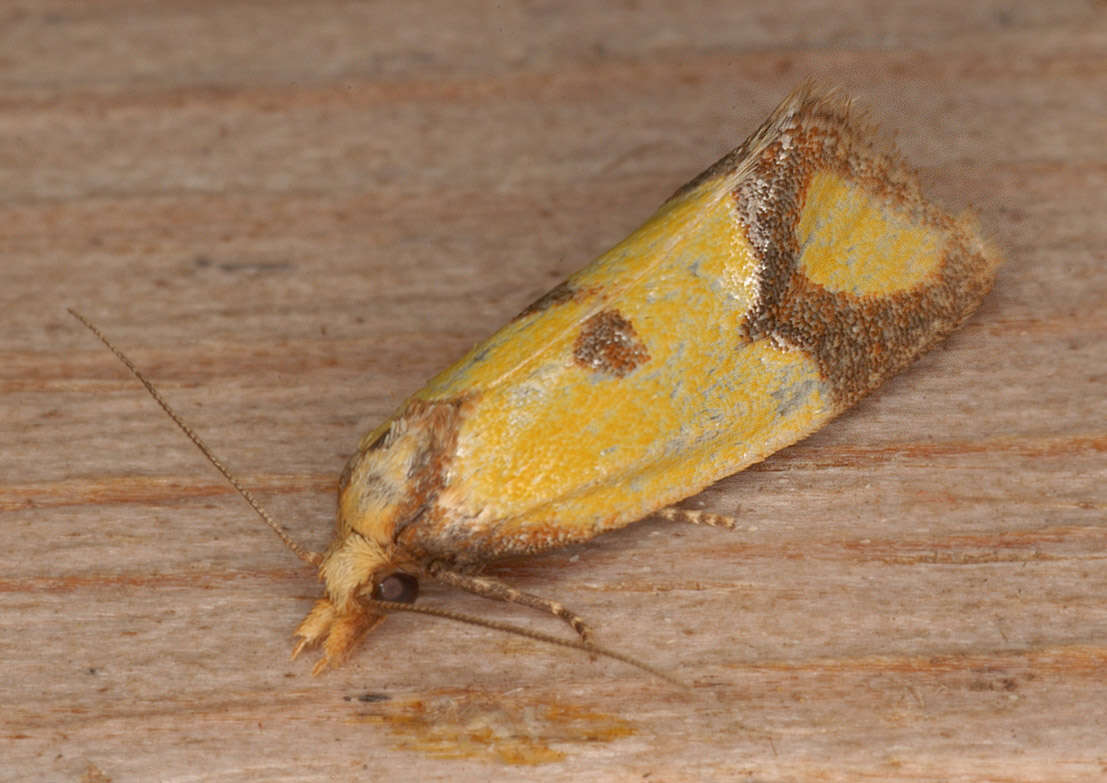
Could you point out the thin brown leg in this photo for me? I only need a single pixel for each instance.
(674, 514)
(487, 587)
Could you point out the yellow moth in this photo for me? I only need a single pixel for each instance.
(762, 299)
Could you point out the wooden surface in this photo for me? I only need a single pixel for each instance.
(291, 214)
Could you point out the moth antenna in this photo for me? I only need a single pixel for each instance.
(575, 644)
(312, 558)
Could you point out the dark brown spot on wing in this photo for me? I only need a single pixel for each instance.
(608, 343)
(559, 294)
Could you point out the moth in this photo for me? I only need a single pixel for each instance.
(763, 298)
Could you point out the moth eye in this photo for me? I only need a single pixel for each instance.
(398, 588)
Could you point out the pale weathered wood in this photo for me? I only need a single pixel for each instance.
(292, 214)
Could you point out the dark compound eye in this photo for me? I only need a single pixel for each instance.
(398, 588)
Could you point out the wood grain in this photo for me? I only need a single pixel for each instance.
(292, 214)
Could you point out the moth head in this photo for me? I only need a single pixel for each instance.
(358, 567)
(361, 582)
(396, 474)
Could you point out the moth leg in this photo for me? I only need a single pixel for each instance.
(674, 514)
(487, 587)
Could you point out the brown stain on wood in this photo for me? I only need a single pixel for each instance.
(462, 724)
